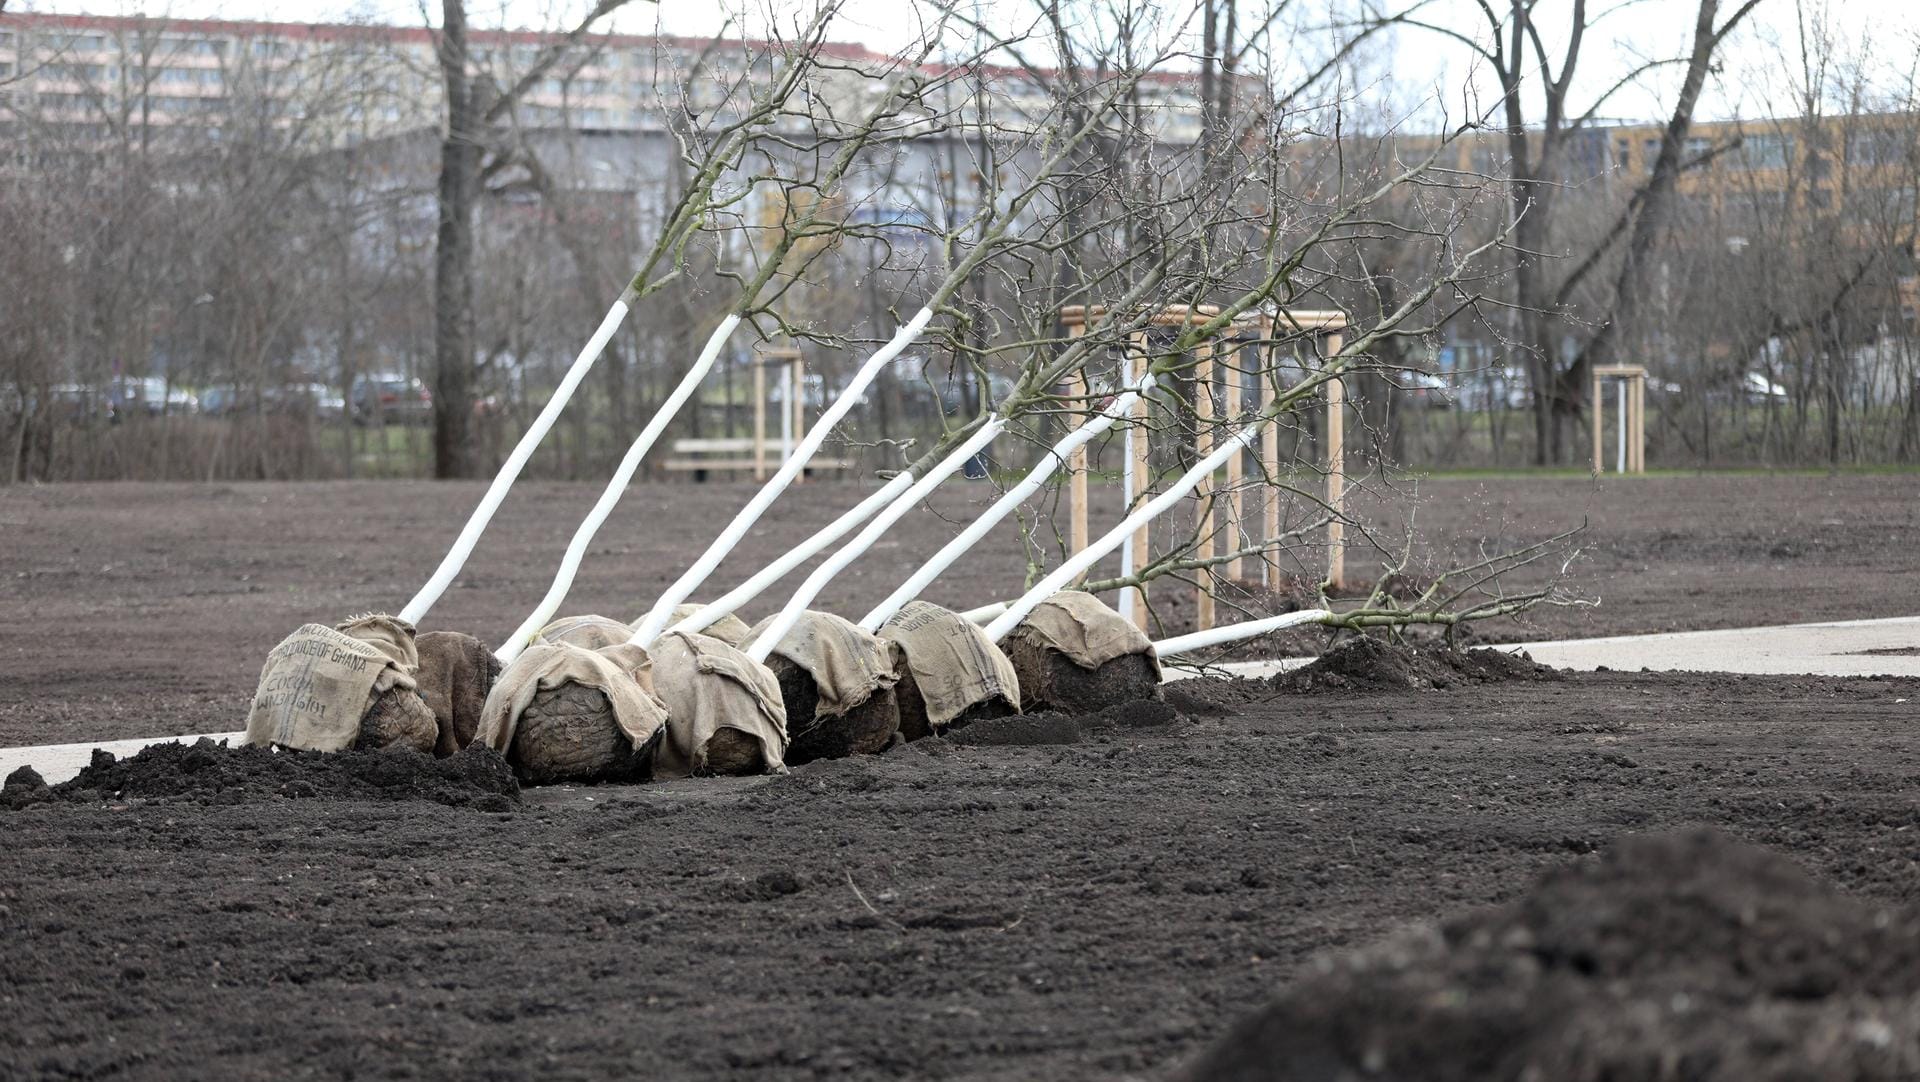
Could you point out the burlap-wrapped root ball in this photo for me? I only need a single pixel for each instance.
(836, 682)
(729, 629)
(724, 711)
(950, 673)
(1074, 654)
(399, 718)
(565, 713)
(353, 685)
(590, 632)
(456, 673)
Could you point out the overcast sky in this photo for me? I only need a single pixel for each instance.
(1420, 73)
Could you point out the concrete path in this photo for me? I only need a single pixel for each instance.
(1835, 649)
(1846, 648)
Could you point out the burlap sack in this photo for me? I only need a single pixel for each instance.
(953, 663)
(318, 683)
(709, 686)
(591, 632)
(846, 662)
(729, 629)
(1076, 655)
(456, 673)
(623, 673)
(1084, 629)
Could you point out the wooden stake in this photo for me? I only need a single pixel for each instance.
(798, 368)
(1336, 471)
(1137, 368)
(1640, 425)
(1270, 459)
(1203, 492)
(1598, 405)
(1077, 462)
(1236, 504)
(759, 418)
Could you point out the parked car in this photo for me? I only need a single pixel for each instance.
(390, 396)
(77, 402)
(1758, 388)
(150, 395)
(316, 400)
(220, 400)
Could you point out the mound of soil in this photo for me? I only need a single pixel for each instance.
(208, 773)
(1364, 663)
(1684, 956)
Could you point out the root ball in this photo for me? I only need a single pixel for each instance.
(398, 718)
(456, 673)
(866, 728)
(568, 734)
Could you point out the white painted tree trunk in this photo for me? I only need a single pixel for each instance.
(1246, 629)
(731, 601)
(456, 557)
(1079, 562)
(616, 487)
(923, 576)
(810, 589)
(690, 580)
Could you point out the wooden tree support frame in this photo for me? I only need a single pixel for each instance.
(793, 401)
(1330, 325)
(1631, 417)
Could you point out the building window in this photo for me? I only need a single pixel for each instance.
(1876, 146)
(1767, 151)
(194, 46)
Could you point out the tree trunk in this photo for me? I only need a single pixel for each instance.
(453, 257)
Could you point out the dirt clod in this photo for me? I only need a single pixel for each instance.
(1687, 949)
(1365, 663)
(1018, 730)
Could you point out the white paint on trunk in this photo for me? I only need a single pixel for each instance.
(456, 557)
(1079, 562)
(985, 613)
(690, 580)
(824, 574)
(923, 577)
(731, 601)
(1246, 629)
(616, 487)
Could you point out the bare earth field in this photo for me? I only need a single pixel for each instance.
(134, 610)
(1097, 898)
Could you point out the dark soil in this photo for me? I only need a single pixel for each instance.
(1103, 908)
(1685, 955)
(866, 728)
(210, 773)
(133, 609)
(1368, 663)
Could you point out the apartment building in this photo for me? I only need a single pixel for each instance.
(91, 72)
